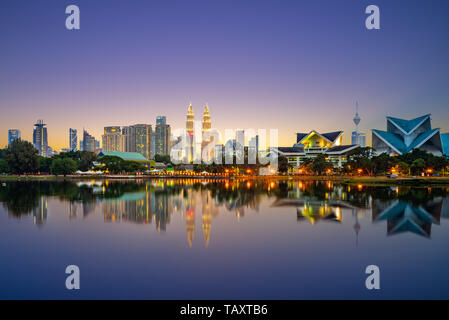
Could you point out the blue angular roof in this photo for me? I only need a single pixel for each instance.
(445, 143)
(300, 136)
(422, 138)
(332, 135)
(396, 142)
(342, 148)
(290, 149)
(408, 125)
(392, 139)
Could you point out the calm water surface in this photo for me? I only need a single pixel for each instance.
(187, 239)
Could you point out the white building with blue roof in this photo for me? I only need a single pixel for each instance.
(403, 136)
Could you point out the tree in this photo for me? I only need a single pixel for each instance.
(383, 163)
(418, 166)
(22, 157)
(320, 165)
(86, 160)
(45, 164)
(4, 168)
(403, 167)
(162, 158)
(63, 166)
(113, 164)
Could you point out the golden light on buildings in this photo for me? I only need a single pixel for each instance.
(360, 187)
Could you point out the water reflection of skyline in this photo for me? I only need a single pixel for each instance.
(404, 209)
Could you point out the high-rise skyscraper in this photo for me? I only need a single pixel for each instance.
(40, 141)
(190, 134)
(73, 139)
(207, 140)
(190, 120)
(88, 142)
(138, 138)
(358, 137)
(13, 134)
(113, 140)
(240, 137)
(162, 136)
(206, 119)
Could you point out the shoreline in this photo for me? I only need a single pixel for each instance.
(366, 180)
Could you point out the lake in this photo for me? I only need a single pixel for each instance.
(220, 239)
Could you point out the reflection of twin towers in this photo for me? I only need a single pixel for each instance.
(146, 207)
(208, 209)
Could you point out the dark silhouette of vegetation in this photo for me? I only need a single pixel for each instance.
(21, 157)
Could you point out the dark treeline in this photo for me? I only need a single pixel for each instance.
(22, 158)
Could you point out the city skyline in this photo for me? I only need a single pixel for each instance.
(302, 74)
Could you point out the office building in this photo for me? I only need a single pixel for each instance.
(13, 134)
(40, 141)
(162, 136)
(88, 142)
(73, 139)
(113, 140)
(138, 138)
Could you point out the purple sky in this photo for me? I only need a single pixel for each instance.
(291, 65)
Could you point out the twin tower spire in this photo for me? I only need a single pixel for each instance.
(191, 118)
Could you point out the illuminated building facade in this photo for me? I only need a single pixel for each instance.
(312, 144)
(162, 136)
(88, 142)
(113, 140)
(40, 141)
(73, 139)
(13, 134)
(190, 134)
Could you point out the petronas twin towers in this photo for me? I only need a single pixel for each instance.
(191, 119)
(190, 128)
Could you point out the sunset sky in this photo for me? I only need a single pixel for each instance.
(290, 65)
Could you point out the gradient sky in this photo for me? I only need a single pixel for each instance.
(291, 65)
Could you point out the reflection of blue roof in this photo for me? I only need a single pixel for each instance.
(445, 143)
(408, 125)
(403, 217)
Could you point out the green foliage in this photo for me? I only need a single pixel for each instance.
(45, 164)
(117, 165)
(404, 168)
(22, 157)
(320, 165)
(4, 168)
(86, 159)
(63, 166)
(162, 158)
(418, 166)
